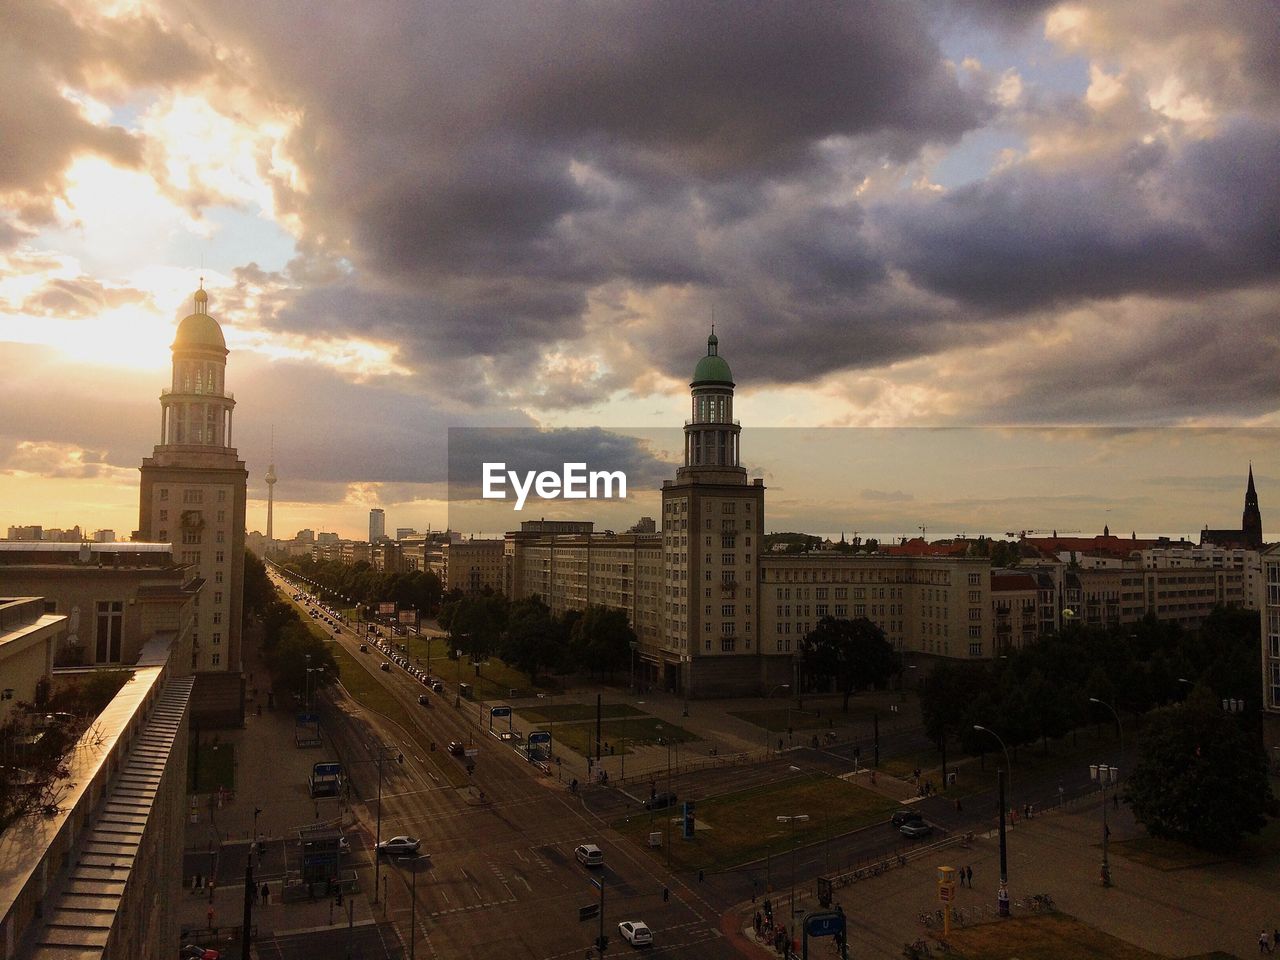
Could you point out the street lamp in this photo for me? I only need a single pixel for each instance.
(1002, 895)
(634, 644)
(1102, 774)
(793, 820)
(307, 686)
(412, 863)
(767, 731)
(1119, 728)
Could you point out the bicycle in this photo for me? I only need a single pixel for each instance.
(1042, 901)
(926, 919)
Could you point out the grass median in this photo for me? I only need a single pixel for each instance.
(1048, 937)
(369, 693)
(740, 827)
(564, 712)
(621, 734)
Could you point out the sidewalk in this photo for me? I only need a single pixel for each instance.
(1170, 912)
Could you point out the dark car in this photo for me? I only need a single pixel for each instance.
(901, 817)
(456, 748)
(914, 829)
(422, 699)
(660, 801)
(193, 952)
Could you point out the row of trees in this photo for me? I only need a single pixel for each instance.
(289, 645)
(526, 634)
(360, 583)
(1174, 678)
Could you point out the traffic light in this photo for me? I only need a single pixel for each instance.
(687, 825)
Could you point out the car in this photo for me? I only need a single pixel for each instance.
(364, 648)
(399, 845)
(915, 829)
(437, 686)
(193, 952)
(660, 801)
(589, 855)
(901, 817)
(636, 933)
(337, 631)
(422, 699)
(386, 666)
(456, 748)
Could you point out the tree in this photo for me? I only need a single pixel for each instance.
(288, 660)
(1201, 775)
(853, 654)
(601, 640)
(534, 640)
(477, 623)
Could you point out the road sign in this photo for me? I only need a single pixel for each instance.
(538, 736)
(472, 752)
(387, 608)
(499, 711)
(589, 912)
(825, 924)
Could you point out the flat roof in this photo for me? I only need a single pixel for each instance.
(54, 546)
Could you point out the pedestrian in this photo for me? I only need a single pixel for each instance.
(964, 871)
(969, 876)
(1263, 945)
(209, 917)
(266, 894)
(757, 921)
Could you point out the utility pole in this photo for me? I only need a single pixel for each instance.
(598, 716)
(1002, 898)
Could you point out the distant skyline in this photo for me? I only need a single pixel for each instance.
(964, 213)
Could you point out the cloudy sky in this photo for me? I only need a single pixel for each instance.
(413, 216)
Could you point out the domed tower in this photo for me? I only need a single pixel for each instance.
(712, 522)
(711, 434)
(196, 410)
(193, 495)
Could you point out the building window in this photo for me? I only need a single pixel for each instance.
(110, 631)
(216, 659)
(217, 638)
(222, 516)
(164, 515)
(217, 617)
(222, 496)
(975, 633)
(219, 557)
(217, 597)
(217, 577)
(221, 537)
(727, 644)
(708, 645)
(822, 610)
(164, 536)
(193, 496)
(728, 507)
(975, 579)
(975, 649)
(726, 559)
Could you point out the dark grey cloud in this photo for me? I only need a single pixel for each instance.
(485, 166)
(1157, 220)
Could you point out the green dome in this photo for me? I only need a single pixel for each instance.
(199, 330)
(712, 368)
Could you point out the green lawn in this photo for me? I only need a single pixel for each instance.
(1052, 936)
(370, 693)
(217, 766)
(560, 712)
(776, 719)
(740, 827)
(644, 729)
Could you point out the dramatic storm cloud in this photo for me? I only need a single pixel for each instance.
(416, 215)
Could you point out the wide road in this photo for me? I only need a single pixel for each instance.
(500, 878)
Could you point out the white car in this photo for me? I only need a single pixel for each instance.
(400, 845)
(636, 933)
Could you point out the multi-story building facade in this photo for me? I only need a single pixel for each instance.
(473, 566)
(1271, 653)
(377, 524)
(193, 495)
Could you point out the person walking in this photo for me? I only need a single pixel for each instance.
(1263, 945)
(266, 894)
(969, 876)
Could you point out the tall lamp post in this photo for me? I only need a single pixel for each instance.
(1101, 774)
(793, 820)
(767, 731)
(634, 644)
(412, 863)
(1002, 896)
(1119, 728)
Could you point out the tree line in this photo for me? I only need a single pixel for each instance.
(361, 584)
(287, 642)
(527, 635)
(1174, 679)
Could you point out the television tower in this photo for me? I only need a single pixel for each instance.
(271, 490)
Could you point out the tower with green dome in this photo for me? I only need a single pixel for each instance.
(712, 522)
(193, 495)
